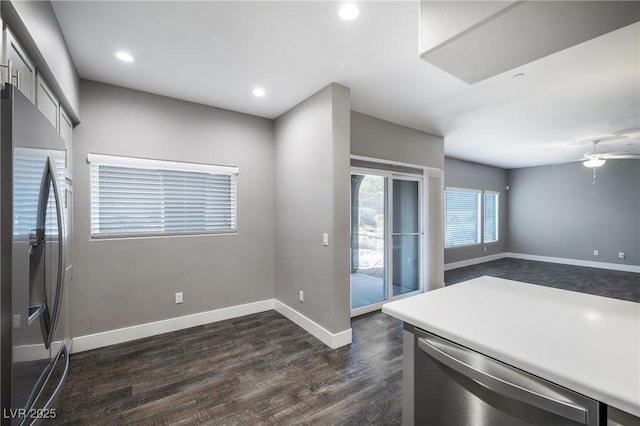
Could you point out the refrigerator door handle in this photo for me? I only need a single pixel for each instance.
(61, 248)
(452, 356)
(49, 317)
(38, 237)
(38, 389)
(63, 352)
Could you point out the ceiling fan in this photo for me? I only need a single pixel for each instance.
(596, 159)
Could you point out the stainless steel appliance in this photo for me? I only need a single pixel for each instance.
(457, 386)
(34, 353)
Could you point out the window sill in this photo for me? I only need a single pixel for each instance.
(168, 235)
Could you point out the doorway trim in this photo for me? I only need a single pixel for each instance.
(432, 205)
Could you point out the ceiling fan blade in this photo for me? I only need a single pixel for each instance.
(598, 140)
(620, 156)
(628, 131)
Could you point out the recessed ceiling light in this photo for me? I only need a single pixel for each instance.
(349, 12)
(519, 75)
(124, 56)
(259, 92)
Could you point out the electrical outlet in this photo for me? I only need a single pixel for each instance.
(178, 297)
(301, 296)
(596, 252)
(621, 255)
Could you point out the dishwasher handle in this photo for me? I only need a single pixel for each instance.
(504, 386)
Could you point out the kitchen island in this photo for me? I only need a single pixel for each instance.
(585, 343)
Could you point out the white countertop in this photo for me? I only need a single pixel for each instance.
(587, 343)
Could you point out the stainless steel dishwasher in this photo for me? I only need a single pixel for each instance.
(457, 386)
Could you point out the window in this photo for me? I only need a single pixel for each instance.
(490, 216)
(461, 218)
(471, 217)
(139, 197)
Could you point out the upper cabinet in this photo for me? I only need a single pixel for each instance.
(46, 102)
(66, 131)
(29, 81)
(23, 72)
(35, 25)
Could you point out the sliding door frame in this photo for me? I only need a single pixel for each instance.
(388, 234)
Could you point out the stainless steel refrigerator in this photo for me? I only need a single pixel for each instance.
(34, 354)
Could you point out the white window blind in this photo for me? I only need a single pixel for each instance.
(140, 197)
(28, 171)
(490, 216)
(462, 218)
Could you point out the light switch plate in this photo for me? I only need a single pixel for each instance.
(325, 239)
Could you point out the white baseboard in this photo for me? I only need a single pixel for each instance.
(474, 261)
(576, 262)
(112, 337)
(121, 335)
(333, 340)
(367, 309)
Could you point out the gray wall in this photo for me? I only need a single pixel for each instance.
(124, 282)
(312, 198)
(376, 138)
(464, 174)
(35, 25)
(556, 211)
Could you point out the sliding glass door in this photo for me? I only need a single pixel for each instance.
(406, 236)
(368, 242)
(386, 238)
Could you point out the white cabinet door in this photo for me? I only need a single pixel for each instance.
(23, 72)
(66, 131)
(47, 102)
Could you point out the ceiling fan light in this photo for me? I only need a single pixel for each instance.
(594, 162)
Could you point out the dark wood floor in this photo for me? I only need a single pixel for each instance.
(258, 369)
(600, 282)
(263, 369)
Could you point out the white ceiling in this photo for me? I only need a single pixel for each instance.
(215, 53)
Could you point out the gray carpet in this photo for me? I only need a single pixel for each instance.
(601, 282)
